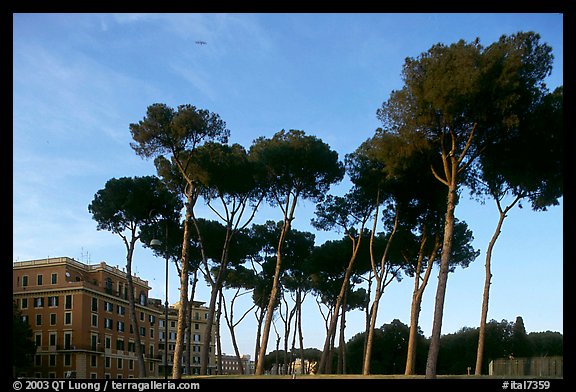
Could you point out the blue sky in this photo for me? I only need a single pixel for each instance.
(79, 80)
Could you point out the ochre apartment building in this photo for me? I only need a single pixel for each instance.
(79, 316)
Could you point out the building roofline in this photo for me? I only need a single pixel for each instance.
(86, 267)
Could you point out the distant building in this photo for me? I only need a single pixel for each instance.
(79, 315)
(231, 365)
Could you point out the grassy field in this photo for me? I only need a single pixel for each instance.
(356, 376)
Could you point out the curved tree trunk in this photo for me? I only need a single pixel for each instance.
(487, 279)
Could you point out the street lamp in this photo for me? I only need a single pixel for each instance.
(157, 242)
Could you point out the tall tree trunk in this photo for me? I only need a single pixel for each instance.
(341, 369)
(299, 301)
(487, 278)
(288, 216)
(185, 270)
(218, 336)
(259, 319)
(452, 169)
(215, 290)
(442, 280)
(189, 339)
(370, 335)
(380, 285)
(132, 305)
(417, 300)
(341, 294)
(287, 323)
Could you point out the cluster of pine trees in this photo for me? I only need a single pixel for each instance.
(466, 117)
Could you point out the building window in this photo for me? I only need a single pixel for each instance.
(38, 319)
(141, 316)
(52, 360)
(196, 326)
(38, 339)
(39, 279)
(52, 339)
(39, 302)
(108, 306)
(25, 280)
(108, 323)
(107, 362)
(67, 318)
(142, 299)
(120, 326)
(108, 286)
(68, 302)
(120, 344)
(52, 318)
(121, 310)
(108, 342)
(142, 331)
(67, 340)
(67, 360)
(54, 278)
(93, 376)
(94, 304)
(24, 303)
(93, 360)
(151, 333)
(131, 347)
(53, 301)
(120, 363)
(94, 342)
(25, 318)
(131, 364)
(37, 360)
(94, 320)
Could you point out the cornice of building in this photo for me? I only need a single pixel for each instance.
(89, 268)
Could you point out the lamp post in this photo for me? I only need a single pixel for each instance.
(157, 242)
